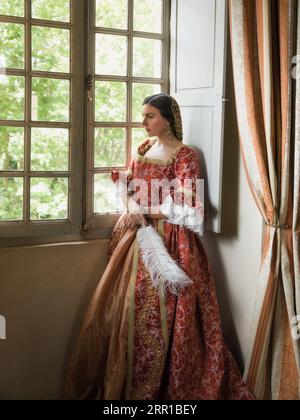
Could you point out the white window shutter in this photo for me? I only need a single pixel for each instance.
(197, 81)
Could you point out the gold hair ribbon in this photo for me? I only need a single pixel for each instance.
(177, 119)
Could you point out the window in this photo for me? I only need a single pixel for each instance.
(68, 118)
(128, 60)
(40, 119)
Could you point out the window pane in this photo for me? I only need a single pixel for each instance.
(11, 149)
(105, 197)
(51, 10)
(148, 15)
(139, 135)
(49, 198)
(140, 91)
(111, 14)
(50, 99)
(50, 49)
(111, 54)
(110, 147)
(11, 203)
(49, 149)
(110, 101)
(12, 45)
(11, 97)
(146, 57)
(12, 7)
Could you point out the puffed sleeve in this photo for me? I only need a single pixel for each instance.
(120, 175)
(184, 206)
(121, 180)
(124, 176)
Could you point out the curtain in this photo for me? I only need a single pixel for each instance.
(265, 40)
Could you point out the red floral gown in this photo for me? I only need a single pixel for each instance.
(138, 344)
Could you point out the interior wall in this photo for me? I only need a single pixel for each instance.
(44, 291)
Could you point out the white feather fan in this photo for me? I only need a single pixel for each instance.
(165, 273)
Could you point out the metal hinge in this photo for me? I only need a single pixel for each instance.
(89, 87)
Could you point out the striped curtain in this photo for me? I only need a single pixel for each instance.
(265, 39)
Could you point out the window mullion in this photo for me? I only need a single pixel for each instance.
(27, 130)
(89, 185)
(166, 45)
(77, 115)
(129, 85)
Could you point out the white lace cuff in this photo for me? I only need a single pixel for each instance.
(190, 217)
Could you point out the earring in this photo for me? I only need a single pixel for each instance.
(169, 132)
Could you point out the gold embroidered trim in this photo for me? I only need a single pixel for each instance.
(149, 339)
(162, 299)
(177, 119)
(131, 322)
(142, 158)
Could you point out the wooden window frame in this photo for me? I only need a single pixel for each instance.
(36, 232)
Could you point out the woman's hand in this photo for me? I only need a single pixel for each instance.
(134, 221)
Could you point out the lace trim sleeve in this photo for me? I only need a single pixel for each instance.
(184, 215)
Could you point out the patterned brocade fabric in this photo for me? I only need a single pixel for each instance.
(155, 347)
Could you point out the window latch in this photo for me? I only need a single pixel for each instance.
(89, 85)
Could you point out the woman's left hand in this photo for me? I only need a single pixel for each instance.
(134, 221)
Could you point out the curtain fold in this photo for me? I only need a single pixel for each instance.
(265, 39)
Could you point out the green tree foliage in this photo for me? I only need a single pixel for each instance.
(112, 17)
(51, 10)
(12, 7)
(12, 45)
(11, 201)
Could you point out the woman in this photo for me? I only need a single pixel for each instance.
(140, 341)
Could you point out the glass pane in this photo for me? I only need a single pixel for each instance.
(11, 203)
(11, 97)
(140, 91)
(110, 101)
(50, 49)
(146, 57)
(148, 15)
(139, 135)
(111, 14)
(49, 198)
(50, 99)
(110, 147)
(49, 149)
(105, 195)
(12, 45)
(51, 10)
(12, 7)
(111, 55)
(11, 149)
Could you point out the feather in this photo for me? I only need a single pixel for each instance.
(164, 271)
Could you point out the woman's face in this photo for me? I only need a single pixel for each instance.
(153, 122)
